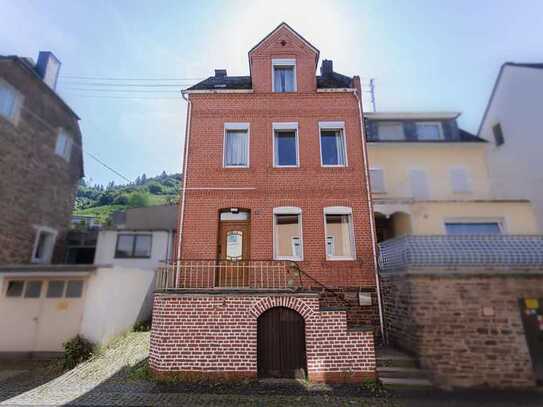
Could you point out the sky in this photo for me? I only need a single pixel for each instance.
(424, 56)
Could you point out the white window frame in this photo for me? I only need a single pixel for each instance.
(66, 153)
(391, 123)
(237, 126)
(384, 190)
(334, 126)
(500, 221)
(286, 126)
(19, 99)
(288, 210)
(468, 189)
(339, 210)
(46, 259)
(283, 62)
(439, 125)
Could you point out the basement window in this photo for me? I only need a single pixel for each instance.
(15, 288)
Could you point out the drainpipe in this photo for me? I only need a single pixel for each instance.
(185, 165)
(358, 95)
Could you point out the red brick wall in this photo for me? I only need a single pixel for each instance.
(206, 335)
(310, 187)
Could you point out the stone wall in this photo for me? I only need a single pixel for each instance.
(37, 187)
(464, 325)
(215, 337)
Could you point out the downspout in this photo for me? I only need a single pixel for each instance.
(185, 166)
(371, 214)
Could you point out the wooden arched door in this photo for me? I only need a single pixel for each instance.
(281, 344)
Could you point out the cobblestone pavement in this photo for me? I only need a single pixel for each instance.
(112, 378)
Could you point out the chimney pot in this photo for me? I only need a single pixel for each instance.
(220, 73)
(327, 67)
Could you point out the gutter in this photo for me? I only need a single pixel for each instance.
(371, 214)
(185, 166)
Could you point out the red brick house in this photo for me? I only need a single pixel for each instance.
(275, 268)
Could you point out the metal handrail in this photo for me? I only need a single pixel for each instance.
(210, 274)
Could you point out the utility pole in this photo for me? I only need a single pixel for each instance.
(372, 91)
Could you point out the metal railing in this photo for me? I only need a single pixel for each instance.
(243, 274)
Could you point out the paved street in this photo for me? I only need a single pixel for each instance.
(113, 378)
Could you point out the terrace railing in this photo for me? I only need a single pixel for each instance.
(216, 274)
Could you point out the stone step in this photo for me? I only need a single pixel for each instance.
(402, 382)
(402, 372)
(397, 362)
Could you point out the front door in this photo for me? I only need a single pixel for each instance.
(532, 319)
(233, 251)
(281, 344)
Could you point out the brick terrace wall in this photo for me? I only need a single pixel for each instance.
(37, 187)
(439, 316)
(215, 337)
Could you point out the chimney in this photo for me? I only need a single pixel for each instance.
(327, 67)
(48, 67)
(219, 73)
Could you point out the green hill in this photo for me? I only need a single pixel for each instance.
(102, 201)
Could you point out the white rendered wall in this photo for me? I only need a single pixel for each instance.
(516, 167)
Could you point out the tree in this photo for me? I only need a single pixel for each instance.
(154, 187)
(139, 199)
(143, 179)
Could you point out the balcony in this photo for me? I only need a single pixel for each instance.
(450, 251)
(222, 274)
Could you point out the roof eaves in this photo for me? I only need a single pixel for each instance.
(24, 64)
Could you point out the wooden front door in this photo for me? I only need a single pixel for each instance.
(233, 252)
(281, 344)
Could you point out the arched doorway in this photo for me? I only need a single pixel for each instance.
(281, 344)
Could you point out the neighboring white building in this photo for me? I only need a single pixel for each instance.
(43, 306)
(512, 123)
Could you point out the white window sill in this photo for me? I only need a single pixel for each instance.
(289, 258)
(340, 259)
(286, 166)
(235, 166)
(334, 166)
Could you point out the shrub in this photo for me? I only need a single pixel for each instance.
(77, 350)
(139, 199)
(142, 326)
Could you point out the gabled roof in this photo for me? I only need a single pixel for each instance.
(288, 27)
(533, 65)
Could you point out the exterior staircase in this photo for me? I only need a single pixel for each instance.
(398, 369)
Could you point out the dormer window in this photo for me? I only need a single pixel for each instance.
(284, 75)
(429, 131)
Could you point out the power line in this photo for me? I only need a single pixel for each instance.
(135, 97)
(54, 132)
(126, 90)
(144, 85)
(103, 78)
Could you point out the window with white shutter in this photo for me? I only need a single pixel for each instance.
(377, 180)
(459, 180)
(10, 102)
(418, 182)
(63, 147)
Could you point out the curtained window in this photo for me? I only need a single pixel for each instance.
(236, 148)
(333, 147)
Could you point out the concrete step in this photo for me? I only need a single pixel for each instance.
(397, 362)
(403, 382)
(402, 372)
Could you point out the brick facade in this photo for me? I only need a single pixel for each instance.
(438, 314)
(37, 186)
(215, 337)
(310, 187)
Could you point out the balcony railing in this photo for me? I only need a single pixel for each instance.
(217, 274)
(461, 250)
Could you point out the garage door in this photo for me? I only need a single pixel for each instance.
(39, 315)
